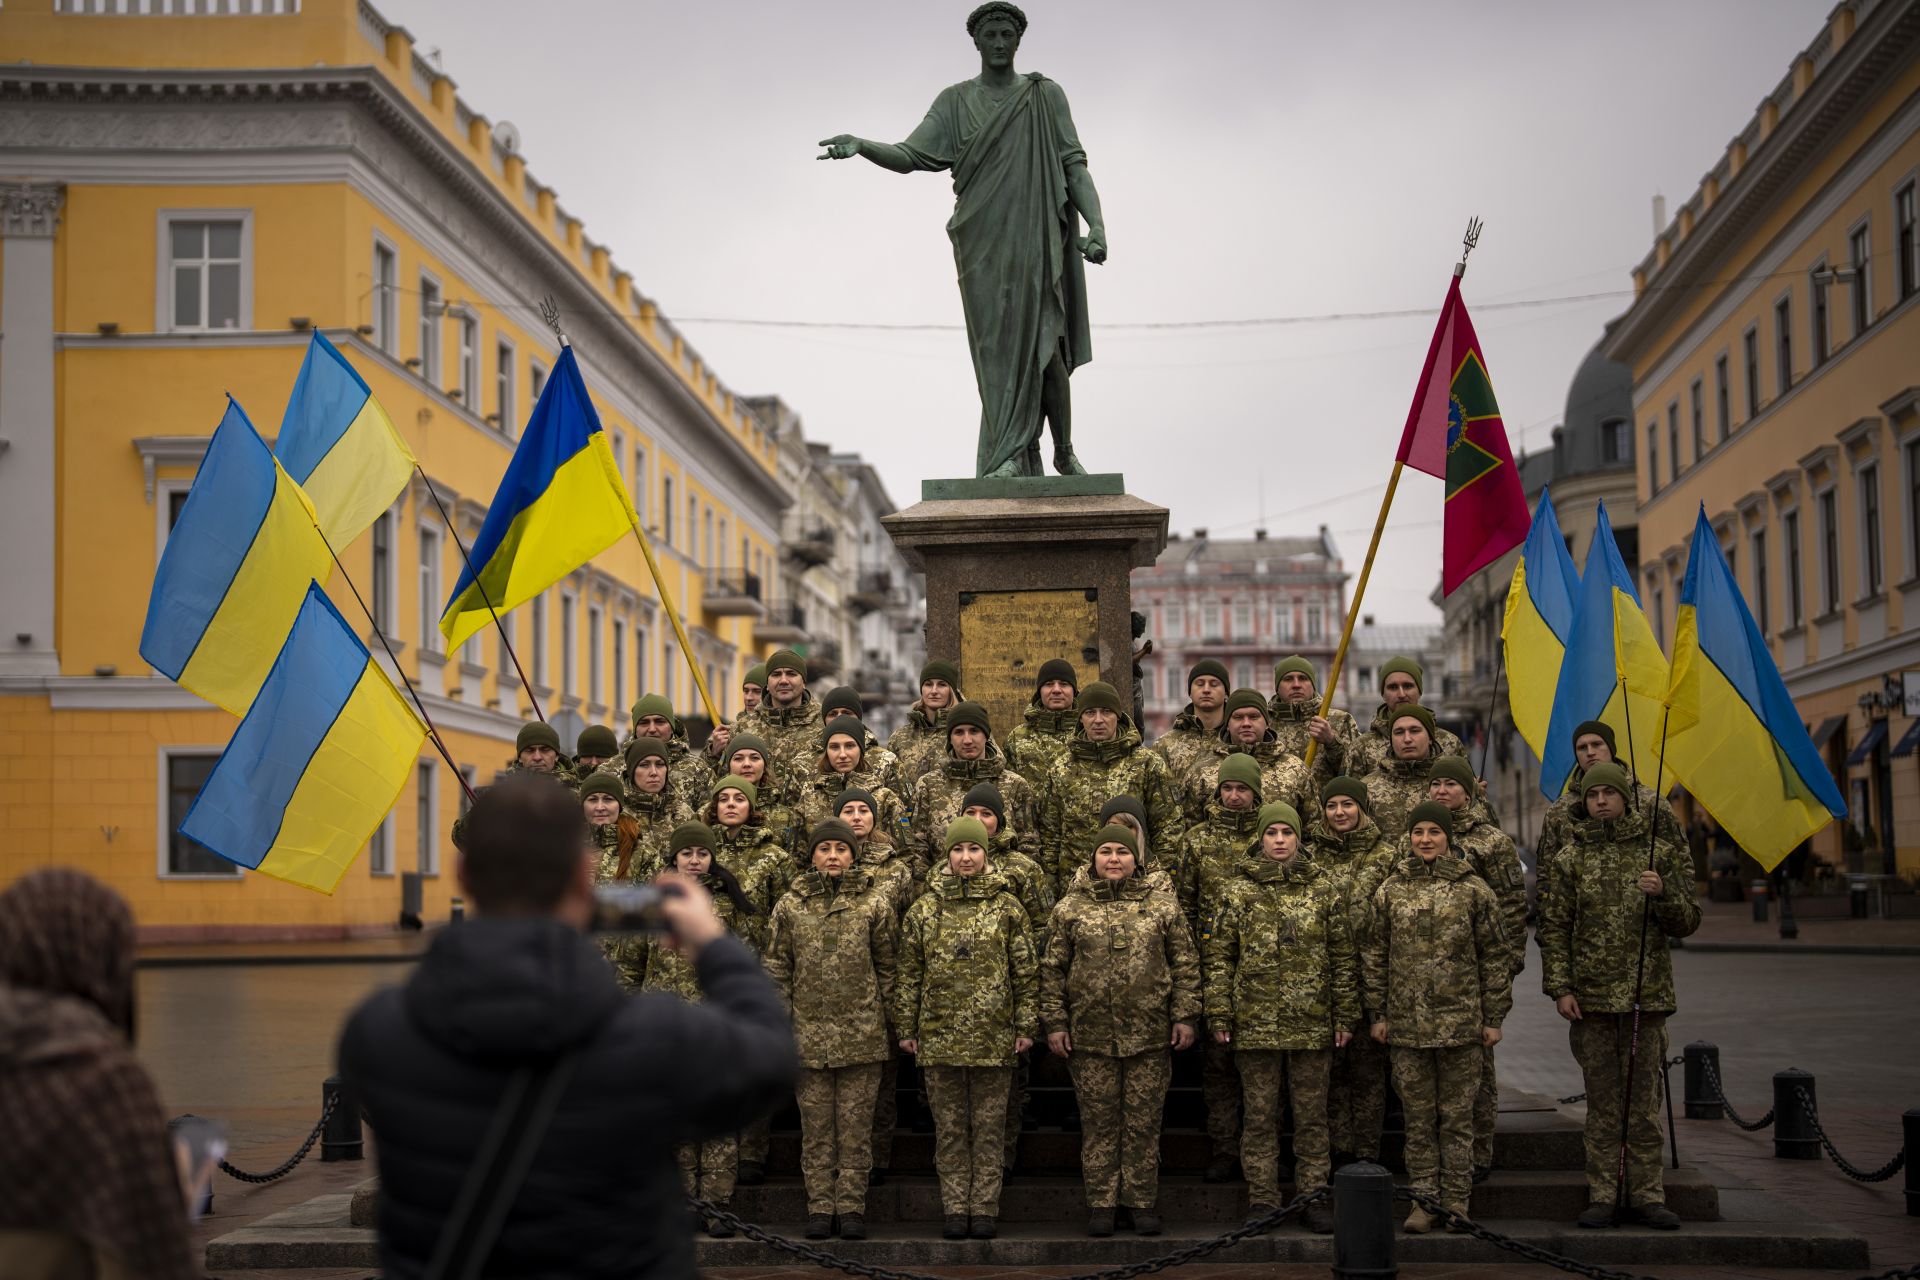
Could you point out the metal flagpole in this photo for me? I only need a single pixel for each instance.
(474, 575)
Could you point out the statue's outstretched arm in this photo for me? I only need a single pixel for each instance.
(844, 146)
(1086, 201)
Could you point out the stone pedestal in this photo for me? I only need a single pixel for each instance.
(1014, 581)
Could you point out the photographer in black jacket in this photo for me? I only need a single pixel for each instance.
(514, 1041)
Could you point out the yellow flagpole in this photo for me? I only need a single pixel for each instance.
(673, 616)
(1353, 610)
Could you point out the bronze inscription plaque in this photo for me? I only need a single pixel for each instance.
(1006, 635)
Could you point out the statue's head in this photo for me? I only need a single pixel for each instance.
(996, 28)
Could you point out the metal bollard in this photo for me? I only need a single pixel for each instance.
(1910, 1139)
(1363, 1222)
(1793, 1136)
(1789, 927)
(340, 1140)
(1857, 889)
(1701, 1103)
(458, 911)
(1757, 894)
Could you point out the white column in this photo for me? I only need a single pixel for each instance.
(29, 212)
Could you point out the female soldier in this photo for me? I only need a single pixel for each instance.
(1437, 986)
(615, 835)
(1119, 988)
(751, 758)
(895, 878)
(1154, 869)
(843, 764)
(965, 1006)
(651, 801)
(831, 954)
(707, 1169)
(1280, 989)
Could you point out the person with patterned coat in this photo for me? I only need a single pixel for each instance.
(1400, 782)
(646, 798)
(1039, 743)
(1401, 679)
(595, 748)
(1104, 759)
(1295, 713)
(1284, 778)
(920, 744)
(1593, 743)
(692, 773)
(878, 763)
(972, 757)
(1197, 726)
(900, 881)
(536, 749)
(753, 687)
(842, 763)
(751, 757)
(1119, 990)
(788, 720)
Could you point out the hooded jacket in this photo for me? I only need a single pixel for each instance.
(1590, 918)
(920, 743)
(1185, 742)
(1396, 787)
(967, 980)
(1039, 742)
(942, 793)
(1091, 774)
(1565, 815)
(1491, 855)
(431, 1060)
(831, 953)
(689, 773)
(1435, 966)
(791, 733)
(1284, 778)
(1359, 862)
(1280, 968)
(1210, 855)
(1289, 720)
(1120, 968)
(820, 800)
(1369, 749)
(1032, 887)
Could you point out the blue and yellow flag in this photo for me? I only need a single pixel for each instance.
(317, 762)
(1540, 605)
(560, 504)
(234, 571)
(1613, 671)
(1735, 738)
(339, 445)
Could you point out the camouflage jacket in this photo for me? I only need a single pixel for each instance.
(1369, 750)
(626, 952)
(1396, 788)
(1289, 721)
(967, 981)
(820, 800)
(657, 815)
(1032, 886)
(1283, 778)
(666, 970)
(1184, 742)
(919, 745)
(1435, 965)
(762, 866)
(1590, 917)
(830, 951)
(1279, 962)
(1093, 773)
(1566, 814)
(1210, 856)
(893, 872)
(938, 796)
(689, 773)
(1037, 746)
(1120, 968)
(1358, 862)
(791, 733)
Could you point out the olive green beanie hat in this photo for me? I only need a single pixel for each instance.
(1606, 774)
(1278, 811)
(1114, 833)
(1405, 666)
(1353, 789)
(1431, 811)
(1457, 768)
(756, 675)
(691, 835)
(1414, 710)
(1240, 699)
(601, 784)
(597, 740)
(1295, 663)
(737, 783)
(1242, 768)
(965, 830)
(1100, 695)
(1209, 667)
(941, 669)
(535, 733)
(786, 660)
(653, 704)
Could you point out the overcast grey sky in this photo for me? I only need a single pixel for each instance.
(1254, 159)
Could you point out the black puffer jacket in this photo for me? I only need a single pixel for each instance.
(430, 1061)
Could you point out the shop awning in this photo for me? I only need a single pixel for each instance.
(1909, 742)
(1828, 727)
(1876, 734)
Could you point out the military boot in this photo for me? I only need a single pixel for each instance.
(1418, 1222)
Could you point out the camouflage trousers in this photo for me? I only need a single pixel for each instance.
(754, 1141)
(1121, 1100)
(1437, 1089)
(1357, 1097)
(1220, 1090)
(969, 1107)
(1486, 1111)
(1600, 1043)
(886, 1110)
(836, 1135)
(1016, 1105)
(1269, 1079)
(707, 1168)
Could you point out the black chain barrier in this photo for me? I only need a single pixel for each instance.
(1720, 1096)
(1178, 1258)
(1846, 1166)
(1572, 1098)
(287, 1166)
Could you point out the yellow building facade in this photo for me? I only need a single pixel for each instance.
(1775, 347)
(185, 191)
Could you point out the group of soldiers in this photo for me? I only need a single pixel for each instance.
(965, 899)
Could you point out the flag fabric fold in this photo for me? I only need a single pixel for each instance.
(316, 763)
(339, 445)
(560, 504)
(234, 572)
(1613, 671)
(1539, 618)
(1736, 739)
(1454, 432)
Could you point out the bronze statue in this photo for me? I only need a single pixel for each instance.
(1020, 187)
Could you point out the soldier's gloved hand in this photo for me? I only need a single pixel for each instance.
(1022, 1043)
(1380, 1031)
(1060, 1044)
(1182, 1036)
(1489, 1036)
(1342, 1038)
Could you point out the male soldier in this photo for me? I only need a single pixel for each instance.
(689, 775)
(1398, 781)
(596, 746)
(1104, 758)
(1295, 712)
(1591, 953)
(920, 743)
(754, 688)
(789, 720)
(1196, 728)
(1209, 856)
(971, 758)
(1344, 842)
(1039, 745)
(1283, 777)
(536, 749)
(1593, 743)
(1400, 681)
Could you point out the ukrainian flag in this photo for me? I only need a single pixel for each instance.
(316, 764)
(1613, 670)
(1539, 619)
(560, 504)
(234, 572)
(1736, 739)
(339, 445)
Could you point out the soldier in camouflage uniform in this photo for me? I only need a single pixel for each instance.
(1400, 782)
(692, 774)
(842, 763)
(1196, 728)
(614, 834)
(879, 765)
(972, 757)
(751, 757)
(830, 951)
(753, 687)
(656, 811)
(536, 749)
(1593, 743)
(1591, 938)
(1295, 712)
(1284, 778)
(708, 1169)
(1104, 759)
(1281, 989)
(1119, 989)
(921, 743)
(1345, 843)
(595, 748)
(789, 719)
(1401, 679)
(899, 880)
(1038, 745)
(1437, 988)
(1210, 857)
(966, 1004)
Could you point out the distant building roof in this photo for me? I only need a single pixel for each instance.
(1398, 637)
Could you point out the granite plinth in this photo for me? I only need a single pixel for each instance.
(1107, 484)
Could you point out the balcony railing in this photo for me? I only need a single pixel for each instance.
(811, 543)
(782, 623)
(823, 659)
(733, 594)
(871, 590)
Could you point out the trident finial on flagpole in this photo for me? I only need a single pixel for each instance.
(550, 312)
(1468, 243)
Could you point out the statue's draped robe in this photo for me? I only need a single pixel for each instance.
(1022, 282)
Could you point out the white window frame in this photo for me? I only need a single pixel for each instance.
(164, 490)
(1283, 622)
(1697, 414)
(467, 333)
(569, 640)
(383, 305)
(427, 549)
(163, 282)
(386, 602)
(503, 665)
(1316, 624)
(619, 664)
(426, 803)
(1213, 624)
(506, 387)
(1242, 620)
(380, 850)
(537, 374)
(163, 825)
(537, 654)
(1243, 673)
(433, 335)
